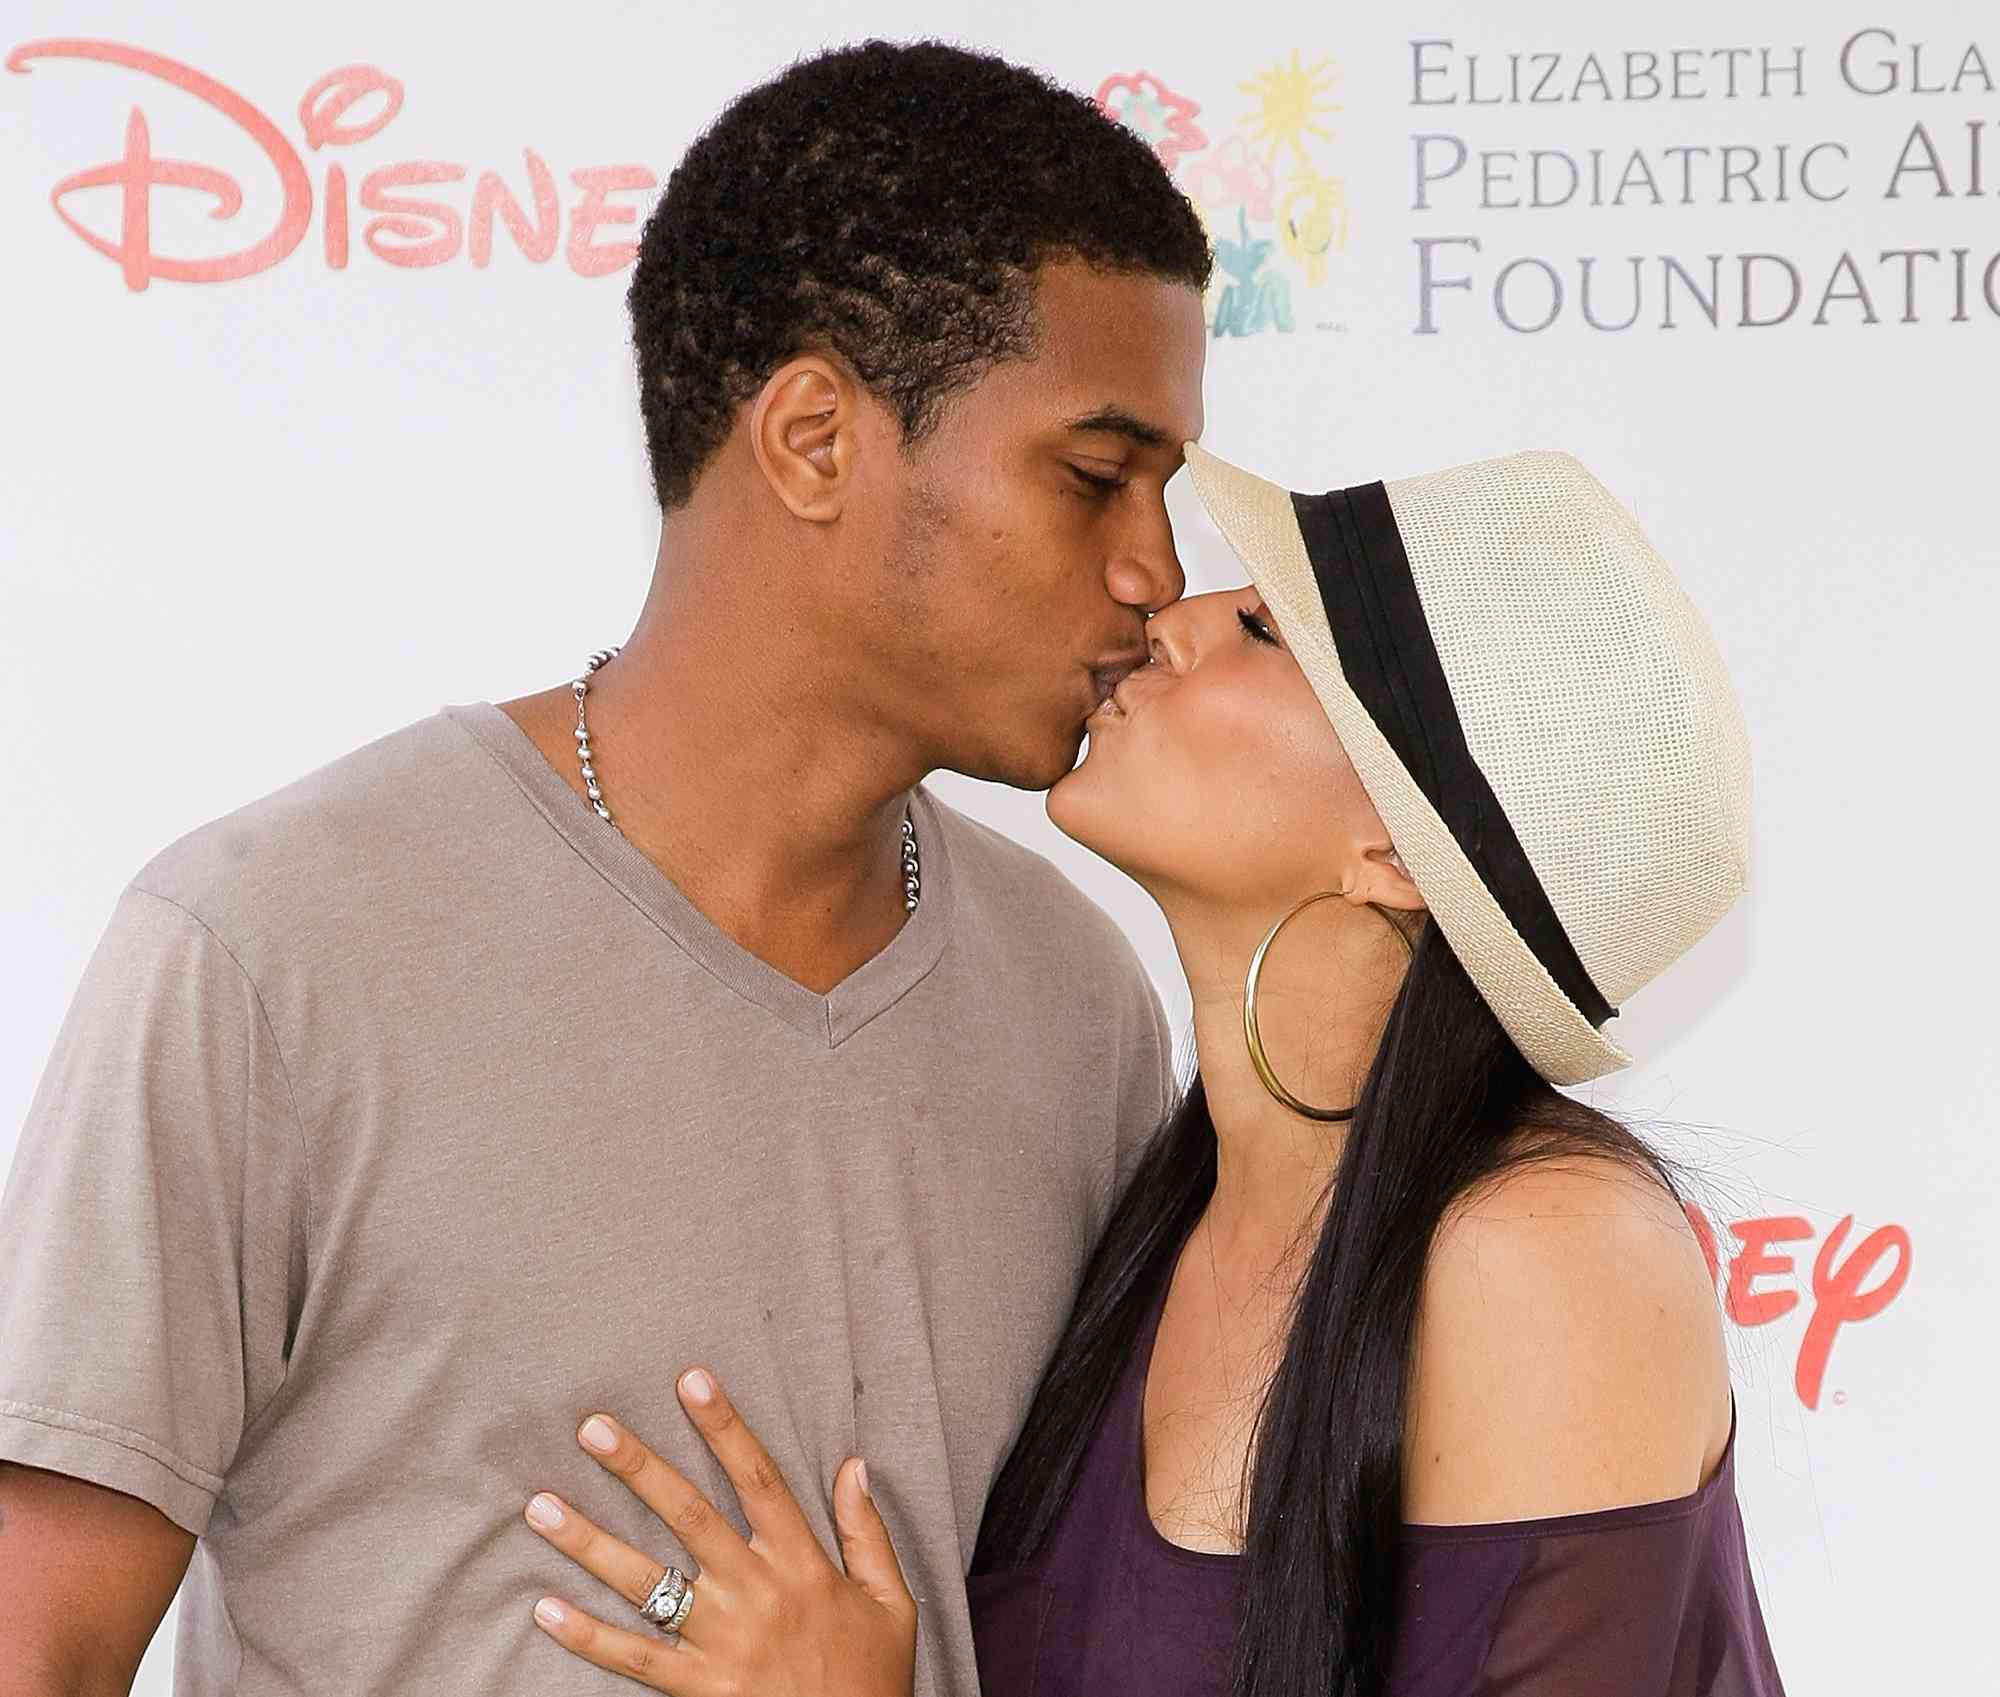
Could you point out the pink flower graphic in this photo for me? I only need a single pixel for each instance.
(1144, 104)
(1232, 176)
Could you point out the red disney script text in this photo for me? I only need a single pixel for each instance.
(405, 230)
(1841, 1293)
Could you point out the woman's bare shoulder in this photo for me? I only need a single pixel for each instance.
(1569, 1350)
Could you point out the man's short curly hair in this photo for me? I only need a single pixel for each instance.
(889, 203)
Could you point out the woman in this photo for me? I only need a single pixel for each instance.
(1396, 1371)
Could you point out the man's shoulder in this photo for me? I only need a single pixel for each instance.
(321, 841)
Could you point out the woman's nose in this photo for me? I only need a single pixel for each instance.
(1180, 634)
(1169, 636)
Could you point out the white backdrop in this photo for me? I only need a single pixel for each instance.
(264, 505)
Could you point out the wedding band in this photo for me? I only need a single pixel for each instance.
(682, 1610)
(670, 1602)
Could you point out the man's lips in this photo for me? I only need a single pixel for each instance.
(1107, 675)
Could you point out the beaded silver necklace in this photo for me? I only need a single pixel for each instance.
(913, 875)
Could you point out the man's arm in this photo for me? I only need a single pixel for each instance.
(151, 1263)
(86, 1574)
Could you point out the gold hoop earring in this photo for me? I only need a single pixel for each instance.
(1251, 1036)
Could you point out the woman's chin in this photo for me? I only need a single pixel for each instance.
(1091, 805)
(1074, 804)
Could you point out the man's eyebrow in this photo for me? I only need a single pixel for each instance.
(1116, 421)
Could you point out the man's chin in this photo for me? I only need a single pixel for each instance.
(1037, 765)
(1038, 768)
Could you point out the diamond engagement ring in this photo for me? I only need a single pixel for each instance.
(670, 1602)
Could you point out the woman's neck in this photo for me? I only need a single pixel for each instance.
(1324, 992)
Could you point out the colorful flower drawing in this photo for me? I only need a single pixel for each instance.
(1164, 119)
(1253, 299)
(1277, 235)
(1231, 175)
(1312, 222)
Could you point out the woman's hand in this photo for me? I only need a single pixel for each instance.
(772, 1616)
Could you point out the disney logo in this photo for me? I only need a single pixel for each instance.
(1840, 1290)
(405, 230)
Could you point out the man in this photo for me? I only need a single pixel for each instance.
(504, 1067)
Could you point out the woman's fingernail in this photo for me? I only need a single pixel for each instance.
(550, 1612)
(861, 1473)
(697, 1386)
(598, 1435)
(545, 1512)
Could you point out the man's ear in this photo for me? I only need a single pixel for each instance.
(804, 434)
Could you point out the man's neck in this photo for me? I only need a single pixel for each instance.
(733, 764)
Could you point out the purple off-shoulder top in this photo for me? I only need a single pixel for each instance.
(1654, 1600)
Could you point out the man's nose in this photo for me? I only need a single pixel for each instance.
(1148, 579)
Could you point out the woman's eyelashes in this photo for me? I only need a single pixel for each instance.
(1255, 628)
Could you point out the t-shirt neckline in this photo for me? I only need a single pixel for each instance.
(867, 992)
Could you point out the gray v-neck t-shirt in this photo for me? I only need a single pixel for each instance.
(408, 1115)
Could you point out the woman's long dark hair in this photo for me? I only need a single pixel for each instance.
(1448, 1102)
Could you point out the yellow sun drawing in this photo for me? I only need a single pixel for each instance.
(1292, 97)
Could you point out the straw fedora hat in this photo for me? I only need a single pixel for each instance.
(1537, 712)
